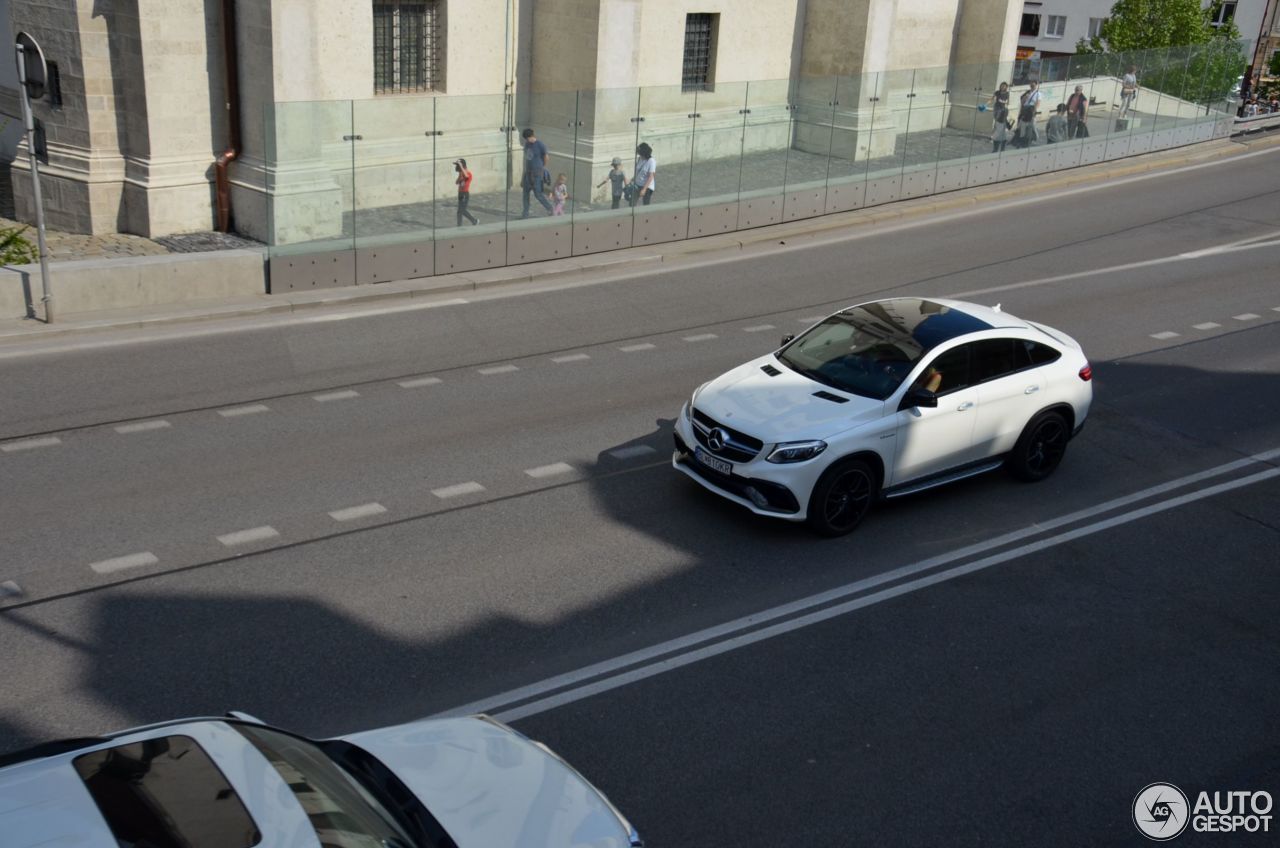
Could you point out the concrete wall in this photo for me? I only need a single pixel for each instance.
(97, 284)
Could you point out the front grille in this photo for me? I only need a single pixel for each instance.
(780, 498)
(739, 448)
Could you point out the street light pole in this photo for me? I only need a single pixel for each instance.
(29, 121)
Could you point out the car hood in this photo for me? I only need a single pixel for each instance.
(782, 408)
(489, 786)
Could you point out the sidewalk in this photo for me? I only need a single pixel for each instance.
(630, 260)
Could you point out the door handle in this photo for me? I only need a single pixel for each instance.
(966, 405)
(1030, 390)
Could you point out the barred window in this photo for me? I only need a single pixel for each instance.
(406, 46)
(699, 52)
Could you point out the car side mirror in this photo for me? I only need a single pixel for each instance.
(787, 339)
(919, 397)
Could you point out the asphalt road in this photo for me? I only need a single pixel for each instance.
(990, 662)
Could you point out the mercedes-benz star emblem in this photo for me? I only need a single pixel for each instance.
(716, 439)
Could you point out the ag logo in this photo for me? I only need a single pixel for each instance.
(1160, 811)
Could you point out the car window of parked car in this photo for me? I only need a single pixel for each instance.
(953, 369)
(343, 813)
(1041, 354)
(166, 793)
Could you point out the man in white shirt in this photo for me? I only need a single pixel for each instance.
(1128, 90)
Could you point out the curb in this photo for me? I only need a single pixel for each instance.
(635, 258)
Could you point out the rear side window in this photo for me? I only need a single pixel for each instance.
(993, 359)
(1040, 354)
(166, 793)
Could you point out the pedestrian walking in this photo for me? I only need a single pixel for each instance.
(464, 191)
(1055, 129)
(1128, 90)
(535, 166)
(644, 179)
(1077, 113)
(1000, 132)
(1025, 135)
(619, 180)
(559, 194)
(999, 100)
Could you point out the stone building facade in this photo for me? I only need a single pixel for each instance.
(331, 121)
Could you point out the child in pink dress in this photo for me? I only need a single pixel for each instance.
(559, 194)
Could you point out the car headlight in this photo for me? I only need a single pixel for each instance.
(796, 451)
(688, 410)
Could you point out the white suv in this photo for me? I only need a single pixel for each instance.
(884, 399)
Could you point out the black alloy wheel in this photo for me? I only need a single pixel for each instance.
(1040, 448)
(842, 497)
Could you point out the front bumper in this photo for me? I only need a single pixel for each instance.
(761, 496)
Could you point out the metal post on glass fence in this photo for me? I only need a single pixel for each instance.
(29, 51)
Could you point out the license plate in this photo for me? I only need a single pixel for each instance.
(712, 462)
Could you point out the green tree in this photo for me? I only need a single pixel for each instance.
(1174, 45)
(15, 249)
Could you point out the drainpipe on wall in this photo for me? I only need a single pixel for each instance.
(231, 60)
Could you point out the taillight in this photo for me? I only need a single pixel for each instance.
(1086, 373)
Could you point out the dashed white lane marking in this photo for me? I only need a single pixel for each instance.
(499, 369)
(10, 589)
(572, 357)
(759, 328)
(237, 411)
(458, 490)
(1167, 334)
(353, 512)
(631, 452)
(637, 347)
(244, 537)
(1207, 325)
(1275, 309)
(30, 444)
(142, 427)
(701, 337)
(549, 470)
(1247, 316)
(420, 382)
(332, 396)
(107, 566)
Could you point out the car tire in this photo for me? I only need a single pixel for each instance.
(1040, 448)
(842, 497)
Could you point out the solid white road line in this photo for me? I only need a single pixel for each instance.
(631, 452)
(498, 369)
(237, 411)
(759, 328)
(107, 566)
(351, 513)
(332, 396)
(244, 537)
(142, 427)
(549, 470)
(701, 337)
(1167, 334)
(572, 357)
(1207, 325)
(731, 627)
(671, 662)
(812, 319)
(636, 347)
(458, 490)
(30, 444)
(10, 589)
(419, 382)
(1248, 316)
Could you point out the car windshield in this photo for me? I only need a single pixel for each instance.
(869, 350)
(342, 811)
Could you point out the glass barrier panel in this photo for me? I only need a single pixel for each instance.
(977, 101)
(770, 165)
(926, 120)
(666, 131)
(886, 98)
(309, 165)
(607, 132)
(470, 127)
(393, 183)
(852, 124)
(812, 108)
(718, 144)
(553, 116)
